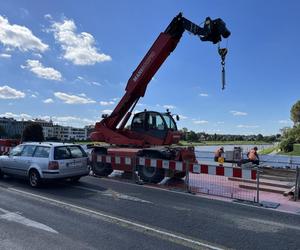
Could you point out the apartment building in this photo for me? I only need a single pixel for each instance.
(14, 129)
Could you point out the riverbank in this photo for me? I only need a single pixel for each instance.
(276, 151)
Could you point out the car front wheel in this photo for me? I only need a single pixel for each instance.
(34, 178)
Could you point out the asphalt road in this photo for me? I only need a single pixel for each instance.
(106, 214)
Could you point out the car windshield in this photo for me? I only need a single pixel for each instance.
(68, 152)
(16, 151)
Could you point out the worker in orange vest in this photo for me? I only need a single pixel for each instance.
(219, 153)
(253, 156)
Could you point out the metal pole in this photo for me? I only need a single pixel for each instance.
(257, 184)
(187, 176)
(296, 193)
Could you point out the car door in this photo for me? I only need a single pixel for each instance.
(24, 161)
(10, 162)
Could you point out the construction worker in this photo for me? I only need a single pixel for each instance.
(253, 156)
(219, 153)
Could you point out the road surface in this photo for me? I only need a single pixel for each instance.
(107, 214)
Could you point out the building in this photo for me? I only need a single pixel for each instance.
(67, 133)
(14, 129)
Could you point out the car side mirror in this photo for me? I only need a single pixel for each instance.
(177, 118)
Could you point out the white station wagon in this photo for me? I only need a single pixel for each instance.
(46, 160)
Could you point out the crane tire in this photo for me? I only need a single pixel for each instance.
(150, 174)
(101, 169)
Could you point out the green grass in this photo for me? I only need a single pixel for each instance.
(267, 151)
(295, 152)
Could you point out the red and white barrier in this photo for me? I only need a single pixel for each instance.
(4, 149)
(211, 168)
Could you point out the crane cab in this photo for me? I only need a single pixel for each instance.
(156, 125)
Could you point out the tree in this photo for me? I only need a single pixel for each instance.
(192, 136)
(33, 132)
(259, 137)
(295, 113)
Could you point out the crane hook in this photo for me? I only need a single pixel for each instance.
(223, 52)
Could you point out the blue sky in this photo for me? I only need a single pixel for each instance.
(70, 60)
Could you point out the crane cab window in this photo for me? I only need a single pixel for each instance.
(155, 121)
(138, 121)
(170, 122)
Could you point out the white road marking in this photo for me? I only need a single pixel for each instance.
(113, 194)
(259, 225)
(15, 217)
(139, 227)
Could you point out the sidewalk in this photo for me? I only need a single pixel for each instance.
(200, 184)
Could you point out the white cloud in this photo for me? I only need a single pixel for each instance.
(37, 55)
(62, 120)
(284, 122)
(3, 55)
(41, 71)
(7, 92)
(247, 126)
(203, 94)
(200, 122)
(73, 99)
(238, 113)
(16, 116)
(48, 16)
(169, 106)
(72, 121)
(82, 79)
(182, 117)
(220, 122)
(79, 48)
(106, 111)
(49, 100)
(104, 103)
(16, 36)
(33, 94)
(96, 83)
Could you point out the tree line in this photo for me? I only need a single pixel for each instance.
(192, 136)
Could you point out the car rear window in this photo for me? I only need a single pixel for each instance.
(42, 152)
(68, 152)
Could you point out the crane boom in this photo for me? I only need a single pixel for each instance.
(106, 129)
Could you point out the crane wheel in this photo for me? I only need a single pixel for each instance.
(102, 169)
(151, 175)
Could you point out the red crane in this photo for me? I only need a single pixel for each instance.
(151, 128)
